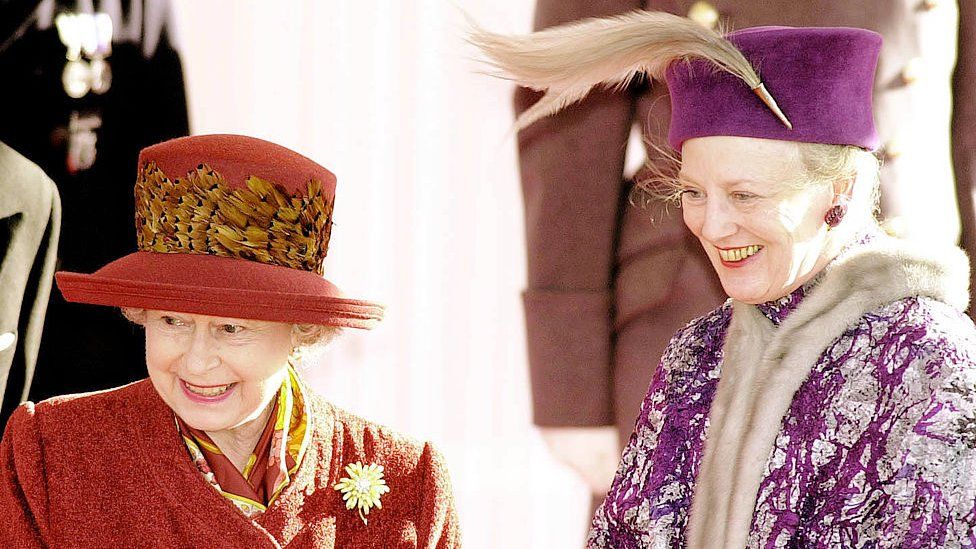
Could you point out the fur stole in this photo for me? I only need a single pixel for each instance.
(763, 366)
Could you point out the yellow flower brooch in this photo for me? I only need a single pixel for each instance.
(363, 487)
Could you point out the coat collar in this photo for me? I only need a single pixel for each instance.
(778, 310)
(764, 366)
(165, 458)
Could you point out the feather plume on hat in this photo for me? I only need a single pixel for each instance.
(570, 60)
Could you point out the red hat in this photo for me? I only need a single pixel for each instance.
(231, 226)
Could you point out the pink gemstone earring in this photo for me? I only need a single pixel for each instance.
(835, 215)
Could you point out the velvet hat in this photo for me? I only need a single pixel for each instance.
(821, 78)
(229, 226)
(796, 84)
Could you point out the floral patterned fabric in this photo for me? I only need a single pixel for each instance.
(878, 448)
(272, 463)
(777, 311)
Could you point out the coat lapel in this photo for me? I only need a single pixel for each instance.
(178, 484)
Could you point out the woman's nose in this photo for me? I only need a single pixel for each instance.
(719, 221)
(201, 356)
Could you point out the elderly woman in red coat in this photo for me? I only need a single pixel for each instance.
(223, 445)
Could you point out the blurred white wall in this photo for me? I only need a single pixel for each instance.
(428, 219)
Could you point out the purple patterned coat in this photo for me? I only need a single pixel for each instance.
(877, 446)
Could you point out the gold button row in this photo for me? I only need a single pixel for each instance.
(704, 14)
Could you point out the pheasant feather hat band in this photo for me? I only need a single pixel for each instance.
(228, 226)
(810, 85)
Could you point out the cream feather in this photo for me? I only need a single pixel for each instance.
(570, 60)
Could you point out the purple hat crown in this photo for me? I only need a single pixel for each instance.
(821, 77)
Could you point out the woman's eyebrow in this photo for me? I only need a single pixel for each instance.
(744, 182)
(235, 322)
(724, 183)
(176, 316)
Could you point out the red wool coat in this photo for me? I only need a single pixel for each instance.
(108, 469)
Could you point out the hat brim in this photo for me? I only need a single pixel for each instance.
(218, 286)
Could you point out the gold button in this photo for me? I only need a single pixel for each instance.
(7, 340)
(929, 5)
(704, 14)
(895, 226)
(912, 71)
(892, 149)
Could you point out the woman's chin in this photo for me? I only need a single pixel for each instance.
(743, 291)
(206, 417)
(203, 420)
(745, 294)
(746, 299)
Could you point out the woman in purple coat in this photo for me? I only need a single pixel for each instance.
(831, 402)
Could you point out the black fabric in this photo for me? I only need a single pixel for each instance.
(85, 347)
(15, 15)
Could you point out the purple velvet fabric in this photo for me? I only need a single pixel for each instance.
(821, 78)
(878, 448)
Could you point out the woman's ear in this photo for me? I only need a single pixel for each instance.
(843, 190)
(295, 343)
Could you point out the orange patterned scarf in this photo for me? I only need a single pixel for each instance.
(273, 461)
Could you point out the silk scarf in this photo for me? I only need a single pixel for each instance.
(271, 464)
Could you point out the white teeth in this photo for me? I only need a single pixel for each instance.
(738, 254)
(207, 391)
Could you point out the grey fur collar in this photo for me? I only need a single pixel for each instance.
(763, 367)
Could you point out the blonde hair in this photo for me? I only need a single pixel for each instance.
(305, 337)
(826, 164)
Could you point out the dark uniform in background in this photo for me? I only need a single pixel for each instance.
(30, 219)
(608, 287)
(89, 145)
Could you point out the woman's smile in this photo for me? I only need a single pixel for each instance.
(734, 257)
(212, 393)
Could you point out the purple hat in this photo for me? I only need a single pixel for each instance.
(821, 78)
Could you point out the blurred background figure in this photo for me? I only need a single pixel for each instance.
(609, 283)
(96, 81)
(30, 219)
